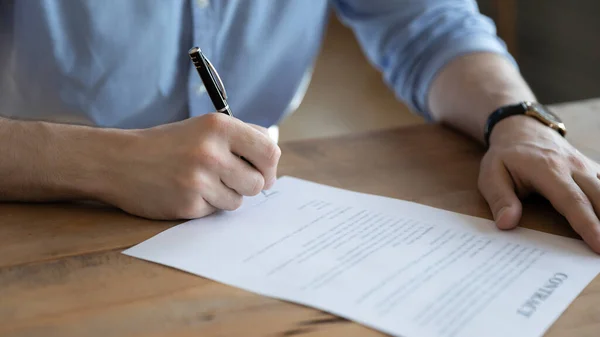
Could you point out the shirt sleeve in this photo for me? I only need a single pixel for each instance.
(410, 41)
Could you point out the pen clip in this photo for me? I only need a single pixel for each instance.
(215, 74)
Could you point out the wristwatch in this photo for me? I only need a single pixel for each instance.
(531, 109)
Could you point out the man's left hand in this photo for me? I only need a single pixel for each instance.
(526, 156)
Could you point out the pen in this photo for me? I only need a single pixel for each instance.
(213, 84)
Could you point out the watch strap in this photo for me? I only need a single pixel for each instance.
(500, 114)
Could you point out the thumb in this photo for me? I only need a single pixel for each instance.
(498, 189)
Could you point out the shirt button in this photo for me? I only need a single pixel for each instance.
(202, 3)
(200, 90)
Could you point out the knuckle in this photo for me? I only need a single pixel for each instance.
(188, 208)
(570, 202)
(580, 199)
(551, 160)
(273, 153)
(577, 162)
(192, 182)
(200, 181)
(256, 185)
(217, 122)
(234, 203)
(210, 157)
(554, 163)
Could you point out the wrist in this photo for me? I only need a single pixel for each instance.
(519, 128)
(537, 118)
(87, 158)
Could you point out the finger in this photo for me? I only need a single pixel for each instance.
(241, 177)
(198, 210)
(272, 132)
(498, 189)
(590, 185)
(258, 149)
(568, 199)
(220, 196)
(262, 130)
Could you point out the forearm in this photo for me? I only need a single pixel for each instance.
(44, 161)
(471, 87)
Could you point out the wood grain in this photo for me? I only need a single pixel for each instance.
(31, 233)
(62, 274)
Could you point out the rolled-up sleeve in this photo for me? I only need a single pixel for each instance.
(410, 41)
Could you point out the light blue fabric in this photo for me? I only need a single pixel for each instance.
(124, 63)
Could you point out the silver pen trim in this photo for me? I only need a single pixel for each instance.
(224, 109)
(216, 74)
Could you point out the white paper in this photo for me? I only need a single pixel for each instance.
(396, 266)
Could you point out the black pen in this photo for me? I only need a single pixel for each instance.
(213, 84)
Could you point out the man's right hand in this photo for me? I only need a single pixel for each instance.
(190, 168)
(182, 170)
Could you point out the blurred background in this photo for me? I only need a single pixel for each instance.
(346, 94)
(555, 42)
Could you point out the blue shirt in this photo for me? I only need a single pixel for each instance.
(115, 63)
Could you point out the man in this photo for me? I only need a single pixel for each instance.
(101, 102)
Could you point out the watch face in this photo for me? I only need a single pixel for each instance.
(545, 116)
(545, 113)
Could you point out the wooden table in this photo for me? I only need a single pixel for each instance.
(62, 273)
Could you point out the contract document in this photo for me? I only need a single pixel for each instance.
(398, 267)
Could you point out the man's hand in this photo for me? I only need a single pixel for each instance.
(191, 168)
(524, 157)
